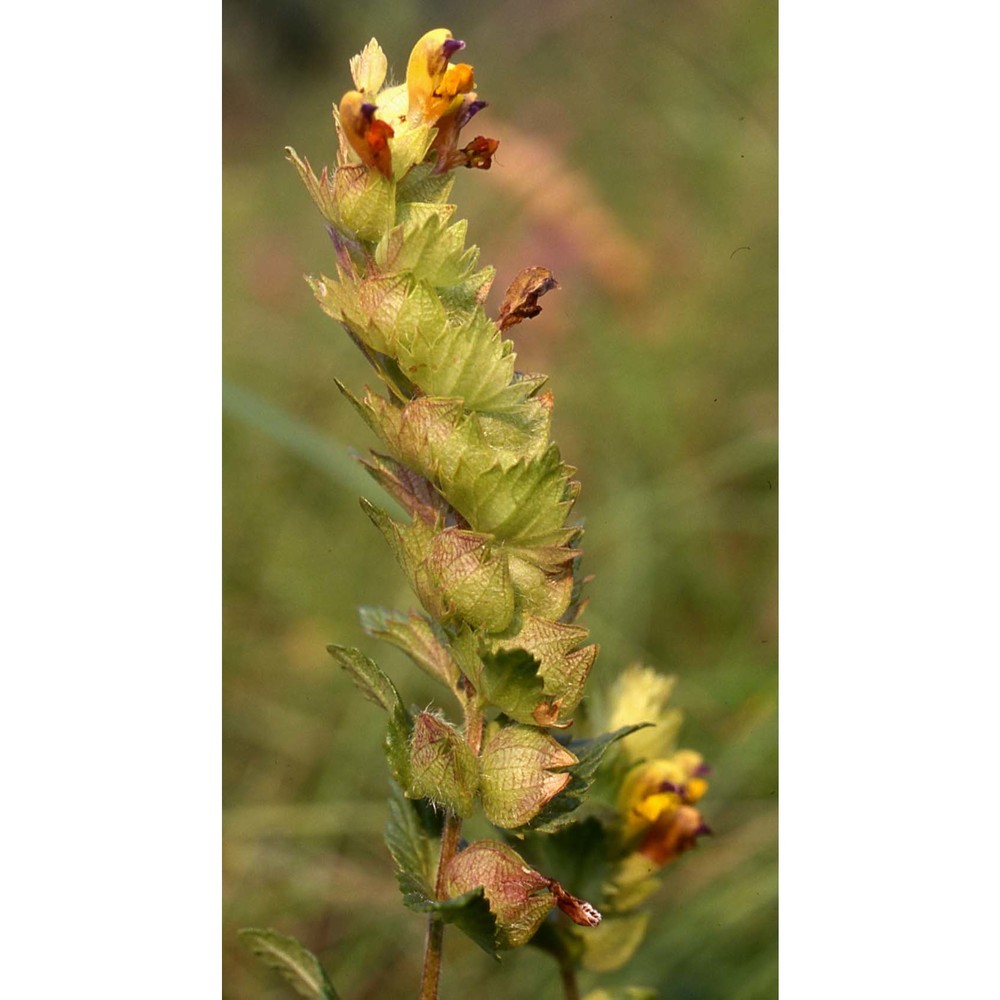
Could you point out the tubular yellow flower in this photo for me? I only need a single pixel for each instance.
(367, 135)
(656, 803)
(431, 85)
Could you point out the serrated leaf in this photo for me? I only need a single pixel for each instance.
(415, 494)
(412, 834)
(563, 668)
(377, 688)
(296, 964)
(470, 913)
(525, 502)
(367, 676)
(419, 637)
(320, 189)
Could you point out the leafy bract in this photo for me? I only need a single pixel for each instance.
(297, 965)
(559, 812)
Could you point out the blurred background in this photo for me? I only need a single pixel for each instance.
(638, 161)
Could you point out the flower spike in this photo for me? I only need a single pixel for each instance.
(488, 546)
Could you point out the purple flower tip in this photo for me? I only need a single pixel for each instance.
(703, 830)
(368, 110)
(469, 111)
(451, 46)
(669, 786)
(703, 770)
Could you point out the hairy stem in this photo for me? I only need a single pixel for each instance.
(450, 836)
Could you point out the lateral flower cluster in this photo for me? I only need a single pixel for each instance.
(486, 542)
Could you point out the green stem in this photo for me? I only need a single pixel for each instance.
(450, 836)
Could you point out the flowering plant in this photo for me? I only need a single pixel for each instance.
(488, 549)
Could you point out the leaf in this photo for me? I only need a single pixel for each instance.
(299, 966)
(377, 688)
(412, 834)
(611, 945)
(577, 855)
(368, 68)
(470, 913)
(409, 489)
(419, 637)
(367, 676)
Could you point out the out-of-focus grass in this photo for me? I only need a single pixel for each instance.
(640, 157)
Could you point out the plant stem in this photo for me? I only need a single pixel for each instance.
(435, 925)
(567, 972)
(450, 836)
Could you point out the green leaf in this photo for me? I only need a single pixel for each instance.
(299, 966)
(412, 834)
(611, 945)
(419, 637)
(377, 688)
(470, 913)
(367, 676)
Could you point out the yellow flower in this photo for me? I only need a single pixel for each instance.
(432, 84)
(367, 134)
(444, 95)
(656, 806)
